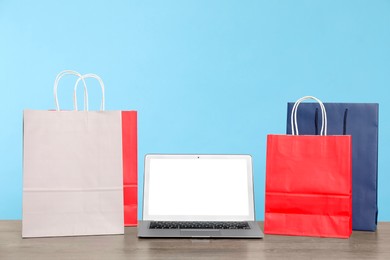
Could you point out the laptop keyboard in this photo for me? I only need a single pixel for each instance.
(198, 225)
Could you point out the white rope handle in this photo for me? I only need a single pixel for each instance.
(294, 123)
(56, 81)
(83, 77)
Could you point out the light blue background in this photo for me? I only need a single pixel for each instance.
(205, 76)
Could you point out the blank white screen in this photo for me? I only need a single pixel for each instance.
(198, 187)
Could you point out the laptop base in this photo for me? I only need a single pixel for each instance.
(145, 232)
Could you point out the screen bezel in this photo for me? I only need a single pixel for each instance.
(145, 210)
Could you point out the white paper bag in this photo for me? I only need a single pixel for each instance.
(72, 172)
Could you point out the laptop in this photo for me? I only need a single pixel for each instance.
(200, 196)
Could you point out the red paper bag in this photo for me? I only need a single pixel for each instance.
(130, 169)
(308, 183)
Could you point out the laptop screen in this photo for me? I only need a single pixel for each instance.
(198, 188)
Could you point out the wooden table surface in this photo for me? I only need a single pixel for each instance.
(361, 245)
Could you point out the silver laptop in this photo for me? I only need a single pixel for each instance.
(198, 196)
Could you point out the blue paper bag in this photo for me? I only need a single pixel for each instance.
(361, 121)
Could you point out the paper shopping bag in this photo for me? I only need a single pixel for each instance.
(72, 172)
(308, 183)
(360, 120)
(130, 170)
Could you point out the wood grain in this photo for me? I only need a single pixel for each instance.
(361, 245)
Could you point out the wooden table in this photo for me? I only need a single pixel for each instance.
(361, 245)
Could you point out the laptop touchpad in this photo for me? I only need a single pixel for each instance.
(200, 233)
